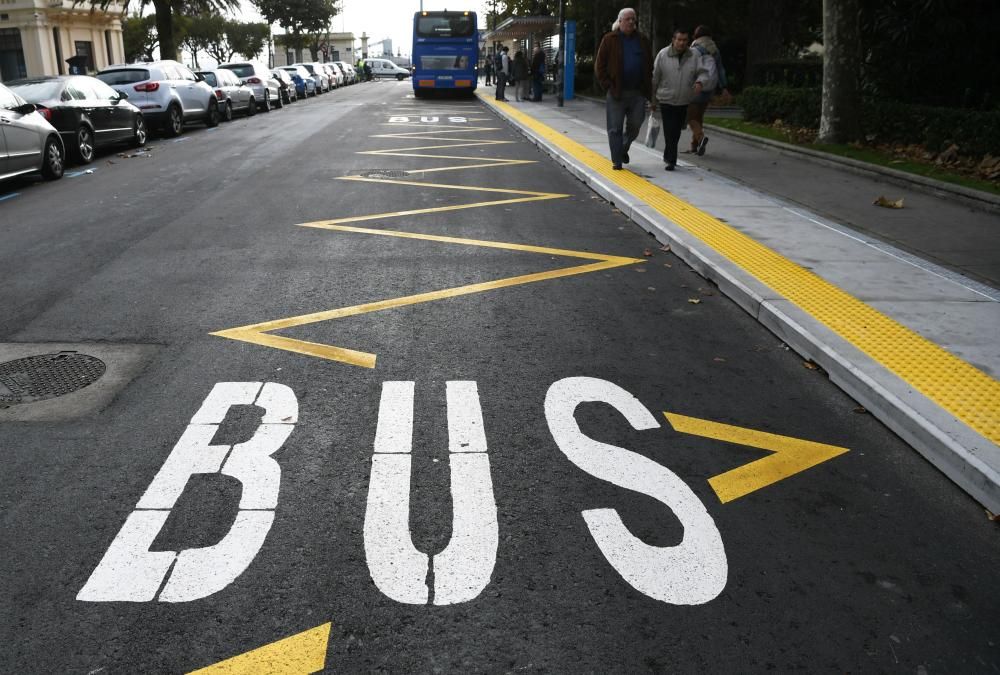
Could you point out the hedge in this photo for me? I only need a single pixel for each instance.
(975, 132)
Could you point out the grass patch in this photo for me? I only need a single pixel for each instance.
(868, 155)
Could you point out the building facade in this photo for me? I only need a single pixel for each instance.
(332, 47)
(38, 36)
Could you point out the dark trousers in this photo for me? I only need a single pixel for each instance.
(536, 87)
(674, 118)
(628, 111)
(501, 86)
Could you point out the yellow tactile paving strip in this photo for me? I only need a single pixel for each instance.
(963, 390)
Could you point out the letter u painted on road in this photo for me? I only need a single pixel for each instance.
(463, 569)
(129, 571)
(691, 573)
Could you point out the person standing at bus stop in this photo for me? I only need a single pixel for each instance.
(624, 68)
(503, 73)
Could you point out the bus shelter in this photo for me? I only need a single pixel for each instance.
(524, 32)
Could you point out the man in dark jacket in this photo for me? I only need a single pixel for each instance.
(624, 67)
(537, 73)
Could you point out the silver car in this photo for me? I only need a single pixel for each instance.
(27, 142)
(233, 95)
(259, 78)
(318, 74)
(166, 92)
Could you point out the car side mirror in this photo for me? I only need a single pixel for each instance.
(199, 77)
(25, 109)
(122, 96)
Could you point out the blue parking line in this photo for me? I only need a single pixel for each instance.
(78, 173)
(182, 138)
(9, 196)
(212, 129)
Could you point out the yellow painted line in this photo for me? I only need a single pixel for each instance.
(259, 333)
(448, 186)
(791, 455)
(296, 655)
(958, 387)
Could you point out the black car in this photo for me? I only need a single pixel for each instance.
(86, 112)
(286, 85)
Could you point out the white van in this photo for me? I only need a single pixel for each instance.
(386, 68)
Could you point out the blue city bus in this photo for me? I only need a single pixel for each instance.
(445, 52)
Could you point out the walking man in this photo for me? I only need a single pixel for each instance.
(503, 73)
(678, 76)
(711, 60)
(488, 68)
(622, 67)
(537, 73)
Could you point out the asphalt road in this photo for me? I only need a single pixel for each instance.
(526, 416)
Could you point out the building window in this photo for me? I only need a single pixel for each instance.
(107, 45)
(11, 55)
(86, 50)
(59, 57)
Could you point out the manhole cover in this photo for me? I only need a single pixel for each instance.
(384, 173)
(36, 378)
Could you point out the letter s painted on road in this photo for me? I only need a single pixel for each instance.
(693, 572)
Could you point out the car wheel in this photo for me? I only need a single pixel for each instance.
(278, 103)
(400, 77)
(252, 107)
(139, 134)
(212, 119)
(227, 113)
(84, 150)
(266, 107)
(175, 121)
(53, 162)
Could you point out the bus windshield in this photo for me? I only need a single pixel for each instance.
(446, 25)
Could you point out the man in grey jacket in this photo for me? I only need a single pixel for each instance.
(678, 76)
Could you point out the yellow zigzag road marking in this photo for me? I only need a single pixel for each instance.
(299, 654)
(260, 333)
(791, 455)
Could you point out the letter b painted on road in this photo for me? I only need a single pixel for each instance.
(129, 571)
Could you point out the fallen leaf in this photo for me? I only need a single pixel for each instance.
(861, 410)
(286, 419)
(648, 253)
(992, 516)
(810, 365)
(665, 247)
(694, 301)
(888, 203)
(719, 359)
(650, 288)
(667, 265)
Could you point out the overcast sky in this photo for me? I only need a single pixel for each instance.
(382, 19)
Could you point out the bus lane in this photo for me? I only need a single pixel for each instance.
(501, 429)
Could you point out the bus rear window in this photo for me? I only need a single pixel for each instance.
(448, 26)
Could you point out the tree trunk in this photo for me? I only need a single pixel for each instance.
(165, 29)
(840, 120)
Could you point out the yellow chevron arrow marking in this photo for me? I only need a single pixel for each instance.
(296, 655)
(791, 455)
(260, 333)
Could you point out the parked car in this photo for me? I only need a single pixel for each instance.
(305, 83)
(336, 76)
(87, 113)
(28, 142)
(319, 75)
(259, 78)
(352, 75)
(386, 68)
(233, 95)
(167, 93)
(286, 87)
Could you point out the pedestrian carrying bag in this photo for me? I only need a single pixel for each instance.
(653, 129)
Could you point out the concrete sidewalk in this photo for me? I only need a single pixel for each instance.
(915, 343)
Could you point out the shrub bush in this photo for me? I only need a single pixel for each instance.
(975, 132)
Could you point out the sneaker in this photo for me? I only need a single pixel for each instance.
(670, 166)
(616, 167)
(702, 145)
(625, 159)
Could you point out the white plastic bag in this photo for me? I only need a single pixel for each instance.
(653, 129)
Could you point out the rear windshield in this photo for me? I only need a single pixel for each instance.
(242, 71)
(210, 79)
(123, 76)
(452, 25)
(34, 92)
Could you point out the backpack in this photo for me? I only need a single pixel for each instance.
(720, 70)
